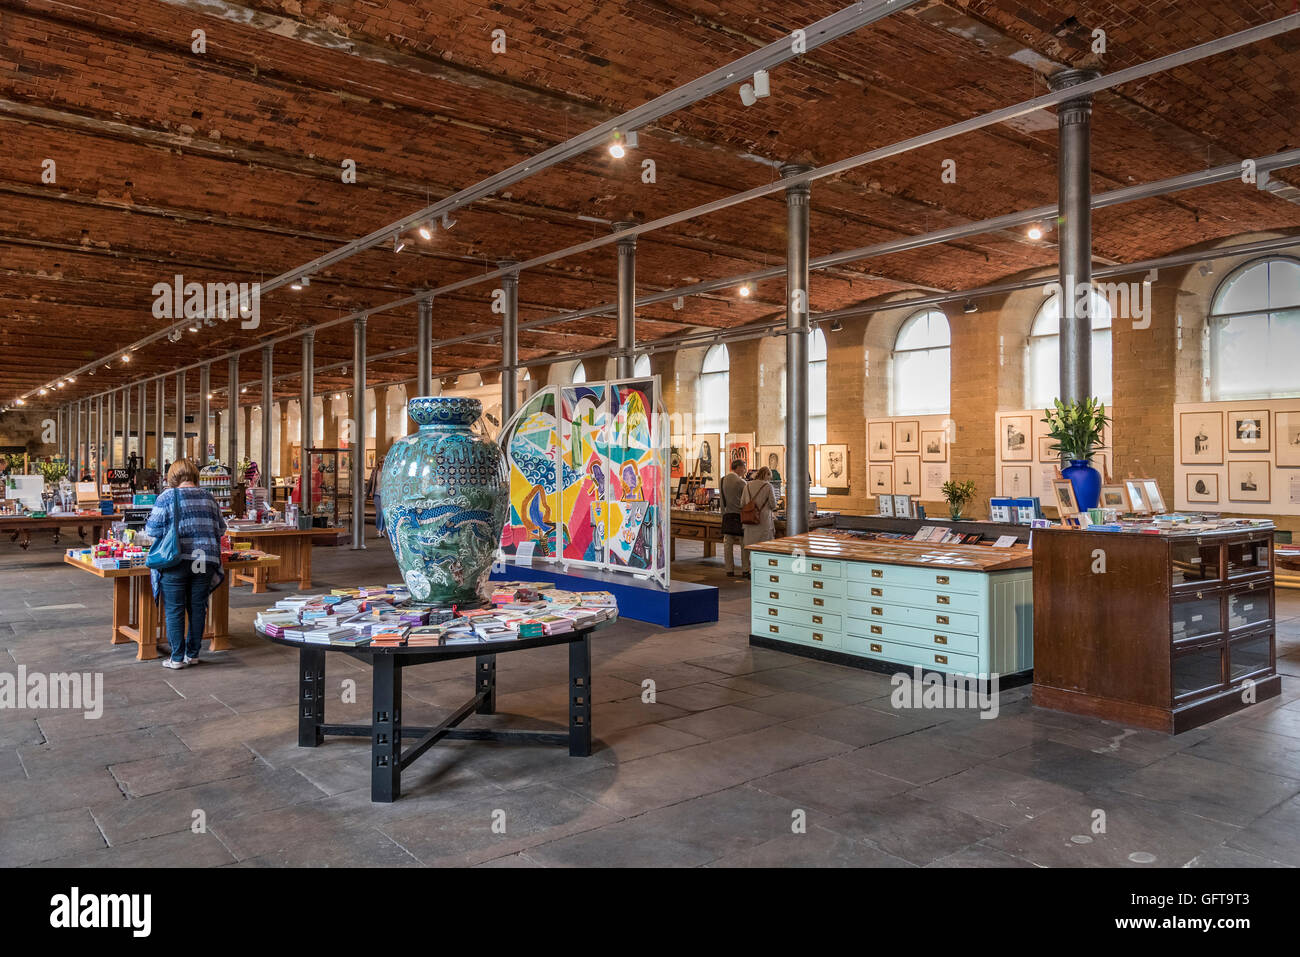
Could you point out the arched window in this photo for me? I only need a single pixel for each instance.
(920, 380)
(816, 387)
(713, 394)
(1255, 331)
(642, 367)
(579, 374)
(1043, 359)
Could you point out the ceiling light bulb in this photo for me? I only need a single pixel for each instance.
(209, 395)
(62, 384)
(194, 328)
(398, 244)
(425, 232)
(43, 391)
(22, 401)
(837, 326)
(126, 358)
(295, 285)
(747, 95)
(745, 291)
(243, 389)
(1035, 233)
(616, 149)
(970, 307)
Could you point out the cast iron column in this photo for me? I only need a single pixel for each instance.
(159, 425)
(796, 352)
(180, 415)
(304, 419)
(110, 455)
(268, 398)
(142, 427)
(625, 356)
(232, 417)
(1074, 228)
(205, 411)
(509, 343)
(126, 425)
(99, 441)
(424, 348)
(357, 440)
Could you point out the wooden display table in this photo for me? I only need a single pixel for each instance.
(706, 527)
(136, 618)
(20, 527)
(1174, 630)
(894, 605)
(293, 545)
(1287, 560)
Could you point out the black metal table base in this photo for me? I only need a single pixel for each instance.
(387, 733)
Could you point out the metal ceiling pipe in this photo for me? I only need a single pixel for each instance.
(357, 440)
(304, 420)
(268, 424)
(423, 347)
(797, 196)
(159, 423)
(205, 411)
(625, 339)
(232, 418)
(179, 448)
(509, 343)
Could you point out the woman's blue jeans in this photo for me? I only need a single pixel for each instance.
(185, 594)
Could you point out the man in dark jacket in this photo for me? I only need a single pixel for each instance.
(733, 532)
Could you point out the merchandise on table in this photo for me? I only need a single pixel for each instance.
(379, 616)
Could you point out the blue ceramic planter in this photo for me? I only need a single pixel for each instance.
(1086, 481)
(445, 493)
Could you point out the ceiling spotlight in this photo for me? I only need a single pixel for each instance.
(126, 357)
(837, 326)
(1035, 232)
(616, 145)
(745, 291)
(43, 391)
(62, 384)
(72, 378)
(243, 389)
(1206, 269)
(194, 328)
(679, 302)
(20, 401)
(970, 307)
(426, 233)
(447, 221)
(398, 244)
(209, 395)
(760, 88)
(295, 286)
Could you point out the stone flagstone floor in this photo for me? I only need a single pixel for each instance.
(712, 773)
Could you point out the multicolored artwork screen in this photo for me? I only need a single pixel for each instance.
(589, 477)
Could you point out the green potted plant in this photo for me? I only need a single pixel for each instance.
(957, 495)
(1076, 429)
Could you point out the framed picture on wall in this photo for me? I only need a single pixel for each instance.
(1045, 453)
(934, 445)
(1203, 488)
(1248, 431)
(880, 479)
(772, 457)
(1113, 496)
(880, 441)
(1200, 438)
(1017, 481)
(1063, 498)
(907, 436)
(932, 481)
(1287, 429)
(370, 458)
(705, 455)
(1014, 433)
(1248, 481)
(907, 475)
(835, 466)
(740, 445)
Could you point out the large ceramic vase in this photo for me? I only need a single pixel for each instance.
(444, 493)
(1086, 482)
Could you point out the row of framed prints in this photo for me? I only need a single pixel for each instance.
(887, 439)
(1202, 437)
(708, 455)
(908, 455)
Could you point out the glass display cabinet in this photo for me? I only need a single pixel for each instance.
(331, 488)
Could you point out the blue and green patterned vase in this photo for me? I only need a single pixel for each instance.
(444, 493)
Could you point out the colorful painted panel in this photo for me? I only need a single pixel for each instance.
(636, 476)
(532, 446)
(584, 416)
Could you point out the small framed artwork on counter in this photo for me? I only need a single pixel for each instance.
(1248, 431)
(1063, 498)
(1155, 501)
(1113, 496)
(1203, 488)
(1137, 499)
(1200, 438)
(1248, 481)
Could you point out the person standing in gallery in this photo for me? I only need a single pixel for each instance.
(759, 494)
(733, 532)
(186, 586)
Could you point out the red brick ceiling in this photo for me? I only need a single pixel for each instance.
(225, 165)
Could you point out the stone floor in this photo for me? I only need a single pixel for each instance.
(739, 744)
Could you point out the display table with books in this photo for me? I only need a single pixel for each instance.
(20, 527)
(293, 545)
(380, 626)
(135, 616)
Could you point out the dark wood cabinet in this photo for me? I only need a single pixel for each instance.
(1164, 631)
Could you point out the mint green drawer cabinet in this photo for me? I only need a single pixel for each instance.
(784, 631)
(796, 581)
(800, 565)
(816, 620)
(920, 617)
(810, 600)
(939, 598)
(914, 577)
(945, 640)
(911, 655)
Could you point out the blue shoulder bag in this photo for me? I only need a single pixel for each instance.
(165, 552)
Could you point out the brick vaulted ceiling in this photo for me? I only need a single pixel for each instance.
(225, 165)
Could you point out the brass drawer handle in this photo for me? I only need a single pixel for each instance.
(941, 659)
(816, 567)
(940, 640)
(877, 611)
(819, 602)
(817, 584)
(941, 599)
(772, 562)
(817, 636)
(877, 592)
(941, 619)
(876, 648)
(817, 619)
(774, 594)
(771, 611)
(774, 628)
(877, 630)
(877, 573)
(941, 579)
(774, 578)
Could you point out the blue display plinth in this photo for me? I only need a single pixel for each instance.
(682, 603)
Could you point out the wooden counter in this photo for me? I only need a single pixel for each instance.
(293, 545)
(706, 527)
(20, 527)
(136, 618)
